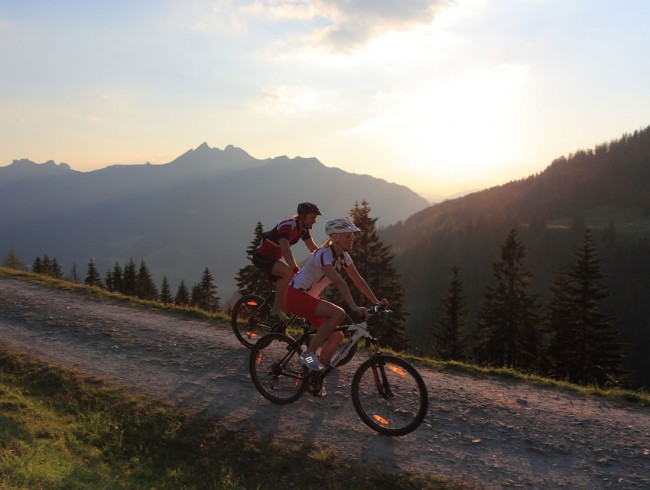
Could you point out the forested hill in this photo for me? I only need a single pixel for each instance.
(616, 173)
(604, 189)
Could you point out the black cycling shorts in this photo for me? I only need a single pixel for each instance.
(265, 264)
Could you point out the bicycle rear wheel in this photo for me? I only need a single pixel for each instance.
(275, 370)
(249, 319)
(389, 395)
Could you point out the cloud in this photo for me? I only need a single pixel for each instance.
(346, 25)
(355, 23)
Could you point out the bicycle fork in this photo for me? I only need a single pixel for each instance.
(378, 367)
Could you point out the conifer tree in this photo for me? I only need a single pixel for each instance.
(251, 279)
(12, 261)
(165, 292)
(129, 279)
(507, 321)
(117, 279)
(560, 328)
(55, 269)
(92, 278)
(182, 297)
(596, 354)
(145, 288)
(449, 334)
(207, 298)
(46, 265)
(37, 266)
(196, 299)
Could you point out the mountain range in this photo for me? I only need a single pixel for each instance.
(199, 210)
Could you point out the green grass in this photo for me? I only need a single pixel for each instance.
(640, 398)
(59, 430)
(107, 296)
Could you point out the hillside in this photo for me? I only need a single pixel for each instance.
(481, 431)
(197, 211)
(604, 189)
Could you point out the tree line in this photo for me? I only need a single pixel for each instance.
(570, 337)
(129, 280)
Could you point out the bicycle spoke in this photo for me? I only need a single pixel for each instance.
(275, 369)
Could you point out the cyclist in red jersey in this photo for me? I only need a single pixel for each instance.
(275, 245)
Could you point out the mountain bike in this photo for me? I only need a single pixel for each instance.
(250, 318)
(250, 321)
(388, 393)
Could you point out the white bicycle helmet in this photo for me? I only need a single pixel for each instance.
(340, 225)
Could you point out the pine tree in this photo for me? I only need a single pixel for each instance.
(37, 266)
(598, 355)
(117, 278)
(373, 260)
(206, 295)
(165, 292)
(12, 261)
(46, 265)
(145, 288)
(449, 335)
(507, 321)
(129, 279)
(196, 299)
(560, 328)
(92, 278)
(250, 279)
(55, 269)
(182, 297)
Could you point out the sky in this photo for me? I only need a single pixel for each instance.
(443, 96)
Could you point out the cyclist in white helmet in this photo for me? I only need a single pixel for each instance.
(324, 267)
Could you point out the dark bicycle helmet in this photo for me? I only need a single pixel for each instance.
(307, 207)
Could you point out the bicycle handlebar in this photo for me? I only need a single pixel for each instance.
(378, 310)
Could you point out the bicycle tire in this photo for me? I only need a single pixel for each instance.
(397, 406)
(249, 319)
(275, 370)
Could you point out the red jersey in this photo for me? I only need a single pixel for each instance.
(270, 242)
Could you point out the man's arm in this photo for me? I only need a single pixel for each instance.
(287, 254)
(311, 245)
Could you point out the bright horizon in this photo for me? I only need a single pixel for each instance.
(440, 96)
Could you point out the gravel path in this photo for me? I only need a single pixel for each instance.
(484, 432)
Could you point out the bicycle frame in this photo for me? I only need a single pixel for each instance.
(360, 332)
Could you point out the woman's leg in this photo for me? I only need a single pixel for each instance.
(328, 350)
(334, 315)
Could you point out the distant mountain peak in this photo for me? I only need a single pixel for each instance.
(25, 167)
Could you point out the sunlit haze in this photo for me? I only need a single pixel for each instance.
(441, 96)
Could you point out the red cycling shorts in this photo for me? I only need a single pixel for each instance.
(302, 304)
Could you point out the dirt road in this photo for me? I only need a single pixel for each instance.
(485, 432)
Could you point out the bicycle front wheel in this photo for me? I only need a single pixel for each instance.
(275, 370)
(249, 319)
(389, 395)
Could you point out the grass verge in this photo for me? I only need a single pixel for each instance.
(59, 430)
